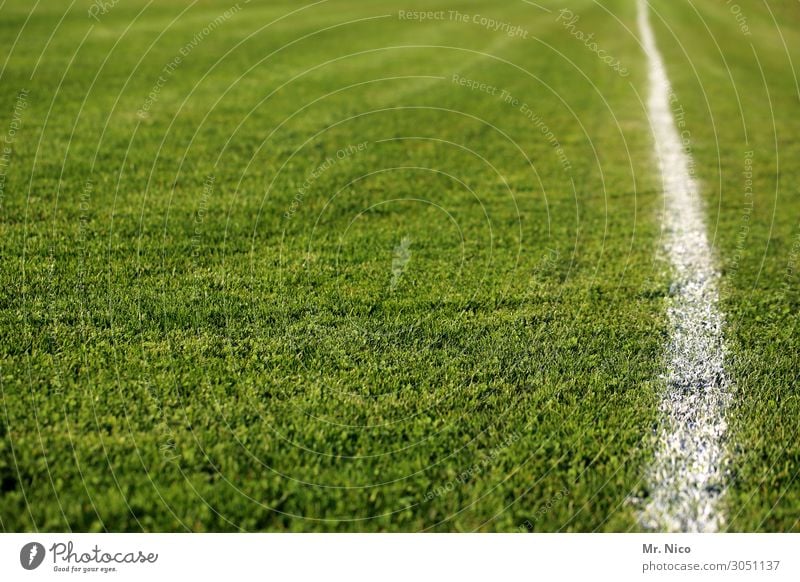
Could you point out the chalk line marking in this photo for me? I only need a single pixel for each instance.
(687, 478)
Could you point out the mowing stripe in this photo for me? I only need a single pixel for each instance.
(687, 477)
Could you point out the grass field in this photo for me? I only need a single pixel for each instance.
(334, 267)
(739, 92)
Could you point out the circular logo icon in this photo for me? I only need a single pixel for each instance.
(31, 555)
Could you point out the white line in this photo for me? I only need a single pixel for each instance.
(687, 477)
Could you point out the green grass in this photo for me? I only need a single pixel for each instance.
(744, 98)
(456, 328)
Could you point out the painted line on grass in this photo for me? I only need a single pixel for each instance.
(687, 477)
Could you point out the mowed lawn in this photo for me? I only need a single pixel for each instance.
(734, 72)
(333, 268)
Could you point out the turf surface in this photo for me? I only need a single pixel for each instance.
(331, 268)
(733, 72)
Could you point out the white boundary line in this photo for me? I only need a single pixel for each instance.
(687, 477)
